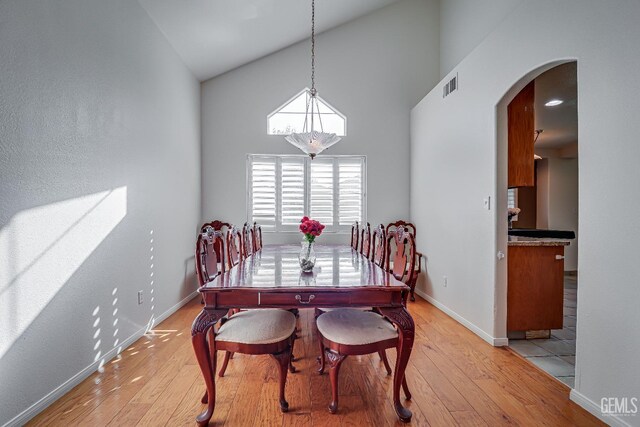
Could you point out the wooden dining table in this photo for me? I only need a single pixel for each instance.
(271, 278)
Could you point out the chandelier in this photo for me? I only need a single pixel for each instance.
(312, 140)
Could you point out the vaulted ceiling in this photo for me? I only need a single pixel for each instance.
(215, 36)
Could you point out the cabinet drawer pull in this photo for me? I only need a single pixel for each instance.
(299, 299)
(559, 257)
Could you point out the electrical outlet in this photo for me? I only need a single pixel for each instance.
(487, 203)
(140, 300)
(445, 281)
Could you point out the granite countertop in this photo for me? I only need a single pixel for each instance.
(537, 241)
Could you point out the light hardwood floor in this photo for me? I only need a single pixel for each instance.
(454, 376)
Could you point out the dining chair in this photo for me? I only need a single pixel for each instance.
(264, 331)
(207, 261)
(221, 226)
(348, 332)
(400, 254)
(378, 247)
(234, 246)
(378, 242)
(247, 240)
(257, 236)
(355, 232)
(235, 254)
(365, 241)
(408, 226)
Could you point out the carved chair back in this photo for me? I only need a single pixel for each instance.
(408, 226)
(257, 236)
(206, 258)
(247, 240)
(365, 241)
(221, 226)
(378, 243)
(401, 253)
(234, 246)
(355, 233)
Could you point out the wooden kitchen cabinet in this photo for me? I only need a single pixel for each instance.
(521, 134)
(535, 289)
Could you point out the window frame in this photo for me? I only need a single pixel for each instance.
(515, 200)
(336, 228)
(320, 99)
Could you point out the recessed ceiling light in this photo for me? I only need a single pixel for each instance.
(554, 102)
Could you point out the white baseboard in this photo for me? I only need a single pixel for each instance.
(593, 408)
(33, 410)
(496, 342)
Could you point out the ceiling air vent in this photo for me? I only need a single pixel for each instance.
(450, 86)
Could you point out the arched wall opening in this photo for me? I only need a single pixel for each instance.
(501, 226)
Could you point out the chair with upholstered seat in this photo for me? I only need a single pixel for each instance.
(257, 237)
(265, 331)
(222, 227)
(378, 248)
(348, 332)
(209, 241)
(235, 255)
(400, 254)
(365, 241)
(355, 234)
(413, 279)
(247, 240)
(378, 255)
(234, 247)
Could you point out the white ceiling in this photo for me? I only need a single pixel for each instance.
(215, 36)
(559, 123)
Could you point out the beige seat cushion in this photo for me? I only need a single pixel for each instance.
(326, 309)
(263, 326)
(355, 327)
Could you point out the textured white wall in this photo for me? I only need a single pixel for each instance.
(558, 201)
(464, 24)
(99, 146)
(456, 163)
(374, 70)
(542, 193)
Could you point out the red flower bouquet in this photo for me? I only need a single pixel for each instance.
(310, 228)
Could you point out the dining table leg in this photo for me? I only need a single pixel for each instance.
(406, 331)
(202, 326)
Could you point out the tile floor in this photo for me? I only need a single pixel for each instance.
(556, 355)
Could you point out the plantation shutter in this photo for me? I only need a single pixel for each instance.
(321, 194)
(350, 190)
(292, 190)
(263, 192)
(283, 189)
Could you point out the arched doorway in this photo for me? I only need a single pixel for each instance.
(536, 282)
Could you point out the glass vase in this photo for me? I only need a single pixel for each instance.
(307, 256)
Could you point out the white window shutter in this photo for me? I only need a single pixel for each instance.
(292, 191)
(321, 194)
(350, 191)
(263, 195)
(283, 189)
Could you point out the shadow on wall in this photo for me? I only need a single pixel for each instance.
(42, 247)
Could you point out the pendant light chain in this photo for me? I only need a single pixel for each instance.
(311, 140)
(313, 47)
